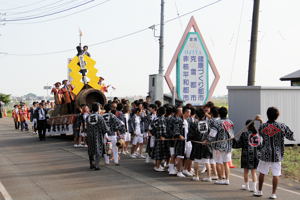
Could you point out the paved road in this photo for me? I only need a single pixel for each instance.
(34, 170)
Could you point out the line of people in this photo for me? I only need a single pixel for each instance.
(179, 139)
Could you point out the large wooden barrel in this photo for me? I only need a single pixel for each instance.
(89, 96)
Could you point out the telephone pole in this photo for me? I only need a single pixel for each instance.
(253, 45)
(156, 81)
(161, 38)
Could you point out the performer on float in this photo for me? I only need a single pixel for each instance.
(103, 87)
(68, 96)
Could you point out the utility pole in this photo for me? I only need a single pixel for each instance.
(253, 45)
(156, 81)
(161, 38)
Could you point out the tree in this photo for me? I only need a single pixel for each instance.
(5, 98)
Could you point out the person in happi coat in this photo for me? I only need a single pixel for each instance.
(273, 134)
(68, 96)
(16, 117)
(179, 134)
(170, 122)
(24, 116)
(116, 128)
(249, 141)
(151, 138)
(96, 128)
(160, 149)
(136, 128)
(222, 133)
(201, 152)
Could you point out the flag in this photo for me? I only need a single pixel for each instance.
(80, 32)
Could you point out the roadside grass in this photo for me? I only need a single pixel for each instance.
(290, 163)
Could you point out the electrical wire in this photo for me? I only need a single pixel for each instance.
(43, 8)
(116, 38)
(237, 42)
(23, 6)
(50, 14)
(52, 19)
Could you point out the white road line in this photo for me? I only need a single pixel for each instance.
(279, 188)
(4, 192)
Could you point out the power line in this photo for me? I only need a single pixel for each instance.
(42, 8)
(46, 15)
(94, 6)
(236, 43)
(116, 38)
(23, 6)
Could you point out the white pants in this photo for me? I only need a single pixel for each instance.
(222, 157)
(127, 137)
(138, 139)
(264, 168)
(188, 149)
(113, 140)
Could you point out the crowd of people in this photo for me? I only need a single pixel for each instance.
(176, 139)
(179, 139)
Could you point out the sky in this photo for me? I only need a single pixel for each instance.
(126, 63)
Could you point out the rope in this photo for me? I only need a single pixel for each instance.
(214, 142)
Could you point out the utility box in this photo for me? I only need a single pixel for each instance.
(156, 91)
(245, 102)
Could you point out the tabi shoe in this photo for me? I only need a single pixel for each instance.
(258, 193)
(195, 178)
(245, 187)
(158, 169)
(180, 174)
(273, 196)
(187, 173)
(206, 179)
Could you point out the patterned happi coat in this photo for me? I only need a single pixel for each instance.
(149, 119)
(199, 131)
(161, 149)
(96, 128)
(114, 124)
(221, 130)
(249, 156)
(273, 134)
(179, 130)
